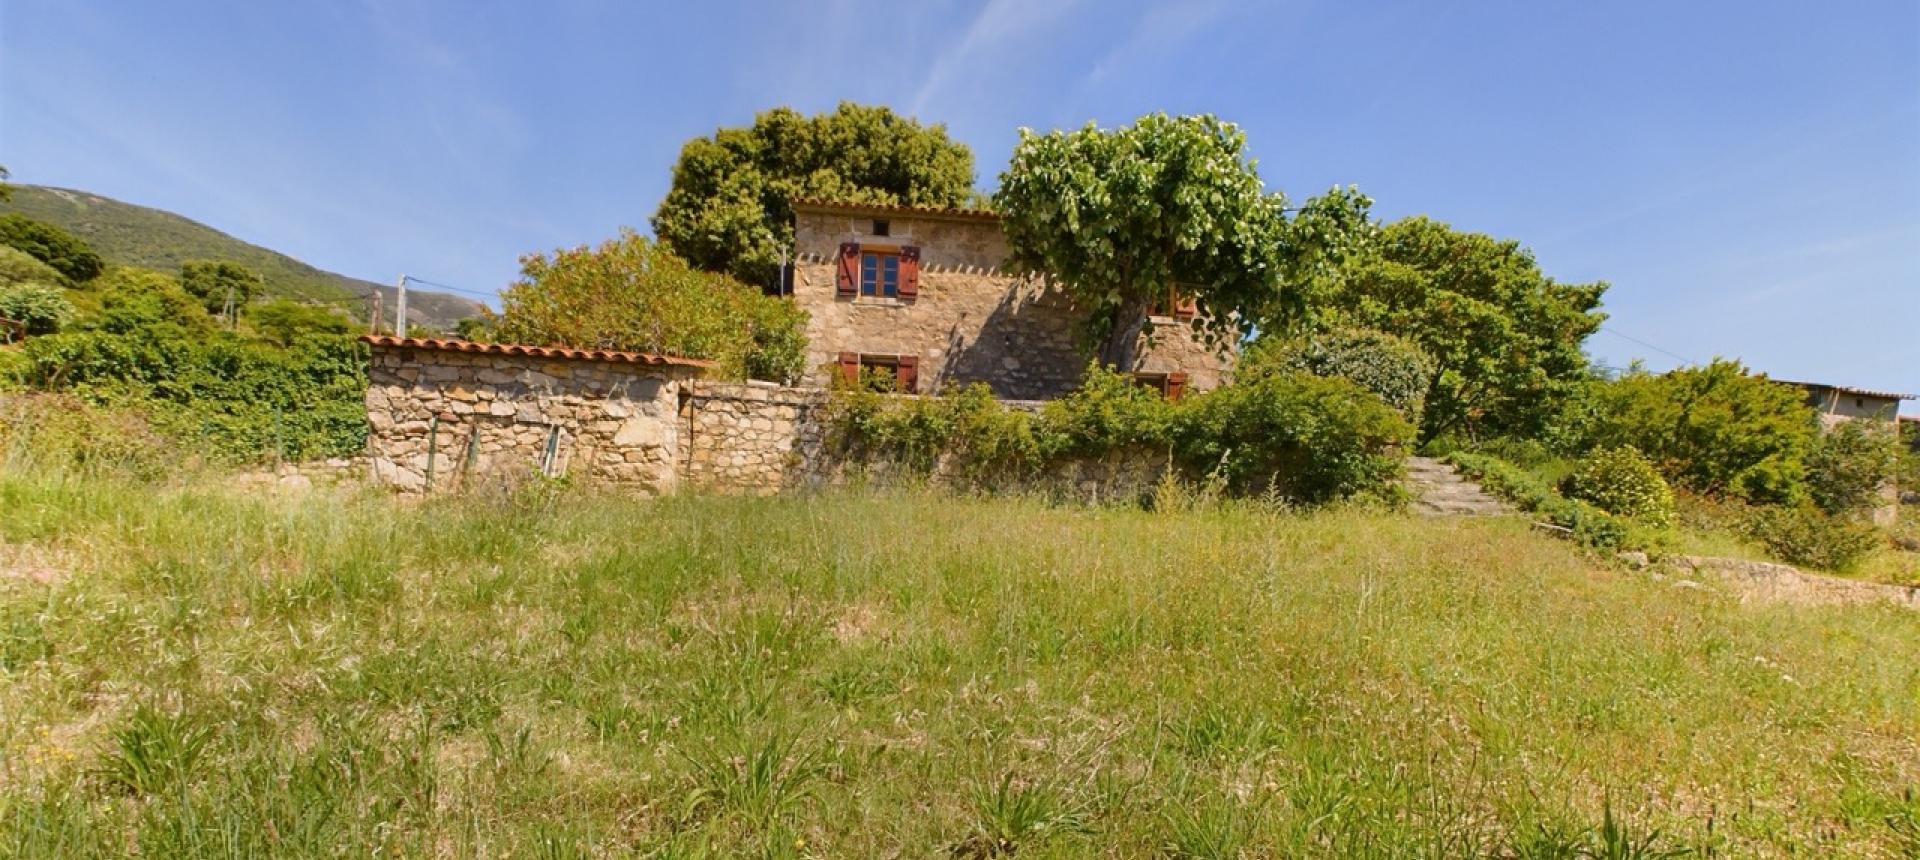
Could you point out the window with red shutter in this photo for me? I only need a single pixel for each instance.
(909, 272)
(849, 368)
(1176, 386)
(847, 280)
(906, 372)
(1186, 310)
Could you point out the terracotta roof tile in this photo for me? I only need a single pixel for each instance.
(607, 355)
(935, 211)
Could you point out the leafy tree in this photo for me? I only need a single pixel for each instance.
(69, 256)
(285, 322)
(42, 307)
(729, 208)
(1126, 218)
(1390, 366)
(1716, 430)
(217, 282)
(1505, 338)
(630, 293)
(1850, 464)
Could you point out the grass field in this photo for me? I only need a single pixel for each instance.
(188, 671)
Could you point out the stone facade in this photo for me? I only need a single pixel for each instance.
(442, 414)
(972, 320)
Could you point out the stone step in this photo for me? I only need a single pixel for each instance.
(1439, 490)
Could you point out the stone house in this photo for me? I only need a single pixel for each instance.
(924, 295)
(1837, 403)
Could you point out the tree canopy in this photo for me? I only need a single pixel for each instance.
(1128, 218)
(1716, 430)
(630, 293)
(217, 282)
(730, 206)
(1505, 339)
(69, 256)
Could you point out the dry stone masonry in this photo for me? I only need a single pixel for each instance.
(442, 413)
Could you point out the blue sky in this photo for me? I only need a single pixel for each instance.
(1747, 175)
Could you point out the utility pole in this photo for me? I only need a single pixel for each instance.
(231, 323)
(373, 319)
(400, 313)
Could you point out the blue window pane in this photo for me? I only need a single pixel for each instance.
(869, 278)
(891, 280)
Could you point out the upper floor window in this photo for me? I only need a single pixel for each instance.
(887, 272)
(879, 274)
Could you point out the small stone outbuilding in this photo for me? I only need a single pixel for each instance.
(442, 413)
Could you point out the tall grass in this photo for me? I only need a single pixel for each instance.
(197, 672)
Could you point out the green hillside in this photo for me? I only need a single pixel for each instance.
(152, 238)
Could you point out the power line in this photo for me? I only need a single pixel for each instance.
(451, 288)
(1673, 355)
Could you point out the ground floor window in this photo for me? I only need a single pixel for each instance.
(882, 372)
(1169, 385)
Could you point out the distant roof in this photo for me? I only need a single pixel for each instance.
(612, 356)
(818, 204)
(1848, 389)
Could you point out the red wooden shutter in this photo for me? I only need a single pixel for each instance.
(909, 272)
(849, 367)
(907, 374)
(848, 281)
(1176, 385)
(1186, 309)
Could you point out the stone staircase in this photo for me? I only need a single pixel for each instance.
(1440, 491)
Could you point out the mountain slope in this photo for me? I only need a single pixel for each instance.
(133, 235)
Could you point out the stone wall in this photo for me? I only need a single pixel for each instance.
(760, 438)
(751, 437)
(973, 320)
(460, 416)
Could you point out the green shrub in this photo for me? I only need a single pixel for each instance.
(1850, 464)
(57, 248)
(1304, 437)
(44, 309)
(17, 267)
(1715, 430)
(1107, 412)
(1393, 368)
(1290, 435)
(215, 283)
(1621, 482)
(1585, 522)
(285, 322)
(1806, 535)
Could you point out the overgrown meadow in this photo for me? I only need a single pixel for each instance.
(194, 669)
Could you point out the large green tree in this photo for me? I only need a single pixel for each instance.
(1125, 218)
(729, 209)
(1505, 339)
(630, 293)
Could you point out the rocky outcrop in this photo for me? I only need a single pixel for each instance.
(1762, 580)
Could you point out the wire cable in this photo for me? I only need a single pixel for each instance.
(1673, 355)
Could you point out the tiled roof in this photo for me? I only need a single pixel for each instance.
(893, 208)
(606, 355)
(1848, 389)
